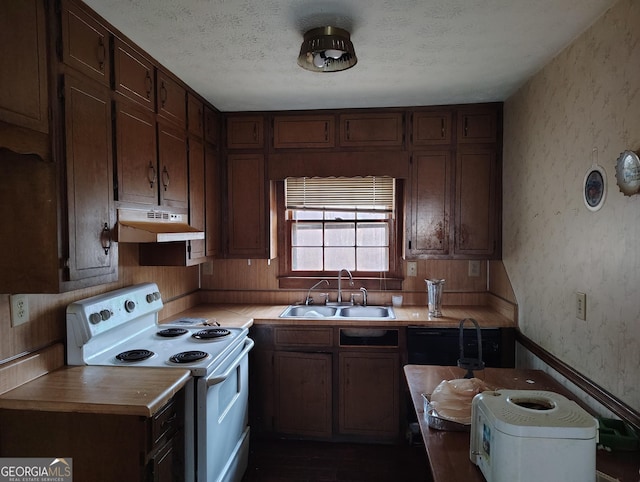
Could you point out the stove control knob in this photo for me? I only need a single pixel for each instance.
(129, 305)
(151, 297)
(105, 314)
(95, 318)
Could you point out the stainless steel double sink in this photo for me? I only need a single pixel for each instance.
(339, 312)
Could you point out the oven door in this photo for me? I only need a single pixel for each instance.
(222, 418)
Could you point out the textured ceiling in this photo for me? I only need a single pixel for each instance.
(241, 54)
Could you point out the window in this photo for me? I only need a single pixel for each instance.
(339, 222)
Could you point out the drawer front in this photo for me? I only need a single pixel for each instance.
(165, 422)
(321, 337)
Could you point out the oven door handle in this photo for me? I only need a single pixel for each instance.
(248, 345)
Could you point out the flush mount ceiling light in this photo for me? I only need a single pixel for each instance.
(327, 49)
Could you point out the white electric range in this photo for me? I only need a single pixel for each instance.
(120, 328)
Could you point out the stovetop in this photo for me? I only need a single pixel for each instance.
(102, 327)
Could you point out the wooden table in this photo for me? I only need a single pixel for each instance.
(448, 452)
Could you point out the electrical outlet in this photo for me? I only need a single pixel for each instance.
(19, 309)
(412, 268)
(581, 306)
(474, 268)
(207, 268)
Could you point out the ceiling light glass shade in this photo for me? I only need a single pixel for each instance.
(327, 49)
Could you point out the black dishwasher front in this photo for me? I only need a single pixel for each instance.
(441, 346)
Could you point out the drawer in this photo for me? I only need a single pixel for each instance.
(164, 422)
(320, 337)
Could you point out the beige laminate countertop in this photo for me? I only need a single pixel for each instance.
(245, 315)
(93, 389)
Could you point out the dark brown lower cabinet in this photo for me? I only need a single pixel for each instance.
(306, 384)
(303, 394)
(103, 447)
(368, 397)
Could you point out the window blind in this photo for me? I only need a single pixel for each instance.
(371, 193)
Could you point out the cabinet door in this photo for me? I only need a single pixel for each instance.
(195, 115)
(173, 165)
(196, 195)
(136, 155)
(369, 394)
(477, 125)
(304, 131)
(246, 132)
(23, 64)
(211, 125)
(476, 226)
(363, 130)
(85, 43)
(247, 205)
(172, 100)
(213, 198)
(303, 394)
(89, 169)
(134, 75)
(431, 128)
(430, 203)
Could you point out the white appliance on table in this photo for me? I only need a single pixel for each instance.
(120, 328)
(530, 436)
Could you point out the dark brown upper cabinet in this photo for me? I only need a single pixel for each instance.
(211, 125)
(305, 131)
(245, 132)
(134, 75)
(171, 99)
(477, 125)
(372, 130)
(195, 115)
(431, 128)
(23, 66)
(85, 43)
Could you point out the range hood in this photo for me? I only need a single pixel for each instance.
(154, 226)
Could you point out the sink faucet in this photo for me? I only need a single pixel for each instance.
(364, 296)
(340, 282)
(308, 300)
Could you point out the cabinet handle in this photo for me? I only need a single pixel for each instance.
(102, 53)
(105, 238)
(148, 83)
(439, 232)
(255, 132)
(348, 131)
(151, 174)
(165, 175)
(326, 131)
(442, 131)
(163, 94)
(466, 126)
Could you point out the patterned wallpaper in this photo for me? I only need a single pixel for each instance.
(587, 98)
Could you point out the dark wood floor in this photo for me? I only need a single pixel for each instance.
(304, 461)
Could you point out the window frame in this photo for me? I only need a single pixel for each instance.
(392, 279)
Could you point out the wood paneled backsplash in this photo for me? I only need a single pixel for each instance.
(47, 311)
(256, 281)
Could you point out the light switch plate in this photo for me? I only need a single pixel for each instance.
(412, 268)
(581, 306)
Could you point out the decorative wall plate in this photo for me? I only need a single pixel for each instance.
(628, 173)
(595, 187)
